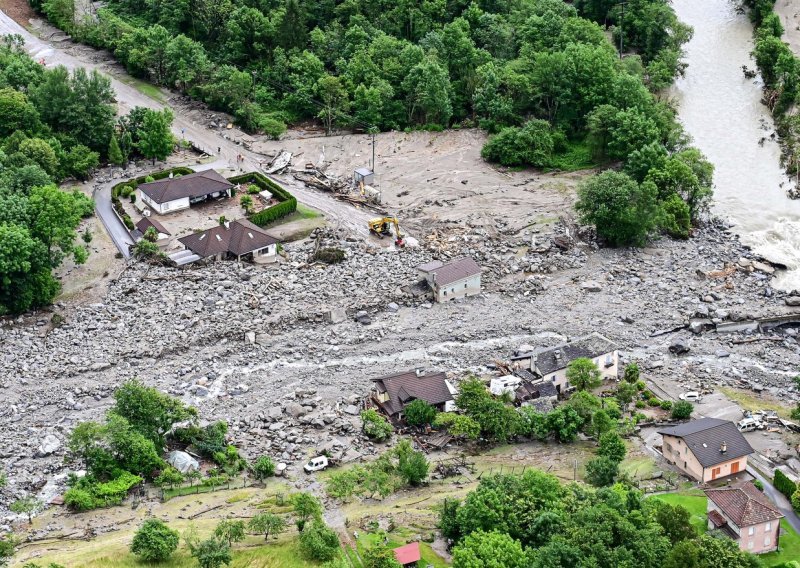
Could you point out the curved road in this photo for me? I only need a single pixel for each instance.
(778, 498)
(128, 97)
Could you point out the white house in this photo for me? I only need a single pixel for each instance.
(176, 193)
(239, 239)
(455, 279)
(551, 363)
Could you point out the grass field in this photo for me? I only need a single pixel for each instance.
(365, 541)
(789, 547)
(694, 501)
(750, 401)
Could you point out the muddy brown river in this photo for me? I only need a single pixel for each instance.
(722, 111)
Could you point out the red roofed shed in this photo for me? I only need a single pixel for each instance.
(408, 555)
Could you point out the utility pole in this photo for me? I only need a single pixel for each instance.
(621, 25)
(372, 165)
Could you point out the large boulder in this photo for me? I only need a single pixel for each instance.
(182, 461)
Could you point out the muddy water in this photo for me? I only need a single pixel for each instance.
(722, 112)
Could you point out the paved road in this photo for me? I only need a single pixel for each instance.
(335, 211)
(778, 498)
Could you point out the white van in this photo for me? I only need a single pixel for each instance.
(748, 425)
(692, 396)
(316, 464)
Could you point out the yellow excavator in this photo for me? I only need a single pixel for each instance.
(382, 226)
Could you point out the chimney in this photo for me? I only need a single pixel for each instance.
(227, 224)
(723, 447)
(420, 371)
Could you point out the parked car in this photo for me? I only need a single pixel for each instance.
(691, 396)
(749, 424)
(316, 464)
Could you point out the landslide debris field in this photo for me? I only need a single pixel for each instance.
(255, 345)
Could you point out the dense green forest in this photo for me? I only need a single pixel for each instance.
(53, 125)
(532, 521)
(390, 64)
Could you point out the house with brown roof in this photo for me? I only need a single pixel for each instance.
(163, 236)
(180, 192)
(237, 239)
(706, 449)
(455, 279)
(746, 515)
(394, 392)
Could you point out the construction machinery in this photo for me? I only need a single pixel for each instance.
(382, 226)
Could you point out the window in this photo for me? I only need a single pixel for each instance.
(667, 446)
(554, 378)
(445, 292)
(751, 531)
(767, 541)
(750, 544)
(768, 527)
(465, 284)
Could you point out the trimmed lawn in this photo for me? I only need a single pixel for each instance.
(694, 502)
(367, 540)
(789, 547)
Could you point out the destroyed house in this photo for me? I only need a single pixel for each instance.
(551, 363)
(238, 239)
(746, 515)
(180, 192)
(706, 449)
(394, 392)
(455, 279)
(147, 223)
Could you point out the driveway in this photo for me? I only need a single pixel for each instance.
(778, 498)
(337, 212)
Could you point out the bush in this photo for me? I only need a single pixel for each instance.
(601, 471)
(682, 410)
(133, 198)
(263, 467)
(154, 541)
(784, 484)
(531, 145)
(796, 500)
(675, 219)
(640, 404)
(640, 386)
(128, 222)
(419, 413)
(758, 485)
(666, 404)
(413, 467)
(375, 426)
(612, 447)
(287, 202)
(623, 211)
(150, 179)
(632, 373)
(318, 542)
(79, 499)
(653, 402)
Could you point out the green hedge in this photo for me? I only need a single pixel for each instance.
(87, 495)
(784, 484)
(287, 205)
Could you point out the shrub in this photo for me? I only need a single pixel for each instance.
(530, 145)
(154, 541)
(640, 404)
(263, 467)
(133, 198)
(79, 499)
(640, 386)
(601, 471)
(758, 485)
(253, 189)
(675, 218)
(375, 426)
(612, 447)
(682, 410)
(796, 500)
(149, 179)
(666, 404)
(458, 425)
(653, 402)
(128, 222)
(419, 413)
(318, 542)
(632, 373)
(784, 484)
(413, 467)
(623, 211)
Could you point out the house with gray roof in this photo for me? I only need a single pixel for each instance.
(746, 515)
(451, 280)
(551, 363)
(180, 192)
(706, 449)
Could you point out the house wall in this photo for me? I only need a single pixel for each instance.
(679, 454)
(466, 287)
(559, 377)
(757, 539)
(166, 207)
(724, 469)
